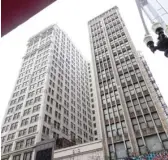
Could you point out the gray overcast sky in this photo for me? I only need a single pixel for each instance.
(72, 17)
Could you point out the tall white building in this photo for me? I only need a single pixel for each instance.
(50, 98)
(131, 111)
(94, 105)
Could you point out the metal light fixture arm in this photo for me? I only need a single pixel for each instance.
(162, 44)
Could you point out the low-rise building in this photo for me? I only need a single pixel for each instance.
(86, 151)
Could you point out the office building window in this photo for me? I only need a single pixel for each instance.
(34, 118)
(27, 156)
(3, 139)
(33, 129)
(14, 126)
(30, 141)
(17, 157)
(7, 148)
(36, 108)
(22, 132)
(19, 145)
(16, 116)
(25, 122)
(11, 136)
(26, 112)
(19, 106)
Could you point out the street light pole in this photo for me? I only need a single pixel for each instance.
(162, 43)
(142, 18)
